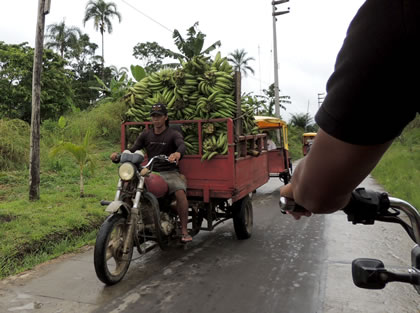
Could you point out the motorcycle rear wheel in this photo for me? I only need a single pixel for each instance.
(110, 267)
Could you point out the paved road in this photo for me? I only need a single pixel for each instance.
(286, 266)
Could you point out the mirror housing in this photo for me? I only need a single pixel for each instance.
(369, 273)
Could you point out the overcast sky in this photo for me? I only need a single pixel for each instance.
(308, 38)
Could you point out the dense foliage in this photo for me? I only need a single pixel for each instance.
(16, 64)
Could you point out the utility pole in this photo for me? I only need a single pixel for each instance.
(307, 116)
(276, 66)
(321, 97)
(34, 158)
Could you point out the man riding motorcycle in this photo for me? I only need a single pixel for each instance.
(165, 140)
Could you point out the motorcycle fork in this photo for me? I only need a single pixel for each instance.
(135, 214)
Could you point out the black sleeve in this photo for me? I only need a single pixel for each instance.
(371, 96)
(179, 143)
(139, 143)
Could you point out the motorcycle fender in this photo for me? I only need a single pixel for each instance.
(117, 206)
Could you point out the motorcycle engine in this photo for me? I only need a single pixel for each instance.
(166, 223)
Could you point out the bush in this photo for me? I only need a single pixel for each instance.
(295, 142)
(103, 121)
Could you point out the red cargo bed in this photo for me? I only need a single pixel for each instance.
(224, 176)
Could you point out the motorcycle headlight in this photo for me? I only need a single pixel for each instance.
(126, 171)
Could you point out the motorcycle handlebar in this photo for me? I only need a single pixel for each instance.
(157, 157)
(412, 213)
(366, 206)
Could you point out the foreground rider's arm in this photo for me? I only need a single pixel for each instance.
(324, 179)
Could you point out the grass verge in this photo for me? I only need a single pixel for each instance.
(399, 172)
(60, 222)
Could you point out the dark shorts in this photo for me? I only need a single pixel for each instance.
(373, 92)
(175, 180)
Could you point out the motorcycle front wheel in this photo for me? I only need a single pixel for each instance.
(110, 265)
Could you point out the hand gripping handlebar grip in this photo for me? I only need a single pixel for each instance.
(288, 205)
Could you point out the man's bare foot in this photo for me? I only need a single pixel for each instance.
(186, 238)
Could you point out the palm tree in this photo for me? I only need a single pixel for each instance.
(81, 154)
(240, 62)
(302, 120)
(118, 72)
(61, 37)
(269, 106)
(101, 12)
(192, 45)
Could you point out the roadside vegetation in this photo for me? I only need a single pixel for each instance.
(61, 221)
(399, 169)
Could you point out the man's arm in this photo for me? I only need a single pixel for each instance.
(180, 148)
(139, 143)
(325, 178)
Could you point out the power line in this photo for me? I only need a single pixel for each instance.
(150, 18)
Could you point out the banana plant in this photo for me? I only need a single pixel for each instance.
(192, 45)
(116, 90)
(81, 154)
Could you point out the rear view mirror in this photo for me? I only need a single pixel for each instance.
(367, 273)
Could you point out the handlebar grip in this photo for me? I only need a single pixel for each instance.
(288, 205)
(105, 202)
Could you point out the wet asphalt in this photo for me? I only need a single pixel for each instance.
(286, 266)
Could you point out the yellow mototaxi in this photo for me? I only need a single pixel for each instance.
(307, 140)
(277, 146)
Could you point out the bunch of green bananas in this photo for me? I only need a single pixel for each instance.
(248, 121)
(214, 144)
(199, 89)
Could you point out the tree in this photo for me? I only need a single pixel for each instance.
(81, 52)
(117, 73)
(268, 107)
(240, 61)
(61, 37)
(81, 154)
(16, 65)
(101, 12)
(192, 45)
(257, 102)
(302, 120)
(85, 65)
(152, 54)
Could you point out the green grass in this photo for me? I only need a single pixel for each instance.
(35, 231)
(32, 232)
(399, 169)
(399, 172)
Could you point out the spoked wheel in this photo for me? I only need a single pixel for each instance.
(243, 217)
(151, 217)
(110, 263)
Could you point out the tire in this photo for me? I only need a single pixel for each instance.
(109, 266)
(243, 218)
